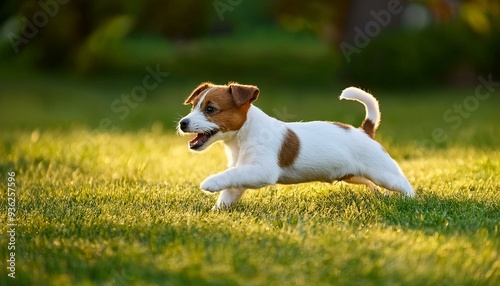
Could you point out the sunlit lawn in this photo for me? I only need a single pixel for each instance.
(124, 207)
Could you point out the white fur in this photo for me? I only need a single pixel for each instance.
(327, 153)
(370, 103)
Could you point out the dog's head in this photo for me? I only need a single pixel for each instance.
(216, 111)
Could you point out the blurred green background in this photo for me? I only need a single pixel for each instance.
(67, 62)
(91, 92)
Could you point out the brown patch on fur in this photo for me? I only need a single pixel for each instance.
(195, 95)
(231, 103)
(289, 149)
(368, 127)
(342, 125)
(228, 115)
(243, 94)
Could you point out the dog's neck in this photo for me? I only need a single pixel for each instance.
(257, 125)
(258, 129)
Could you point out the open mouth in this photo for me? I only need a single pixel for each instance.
(201, 139)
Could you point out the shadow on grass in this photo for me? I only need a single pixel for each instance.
(165, 253)
(428, 212)
(434, 214)
(154, 239)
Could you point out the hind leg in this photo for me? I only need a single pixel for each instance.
(364, 181)
(394, 182)
(382, 170)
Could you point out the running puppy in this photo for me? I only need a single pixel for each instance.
(262, 150)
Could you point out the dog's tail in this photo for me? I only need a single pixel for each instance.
(372, 119)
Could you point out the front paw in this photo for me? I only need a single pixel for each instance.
(212, 184)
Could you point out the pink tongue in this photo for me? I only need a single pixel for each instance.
(200, 137)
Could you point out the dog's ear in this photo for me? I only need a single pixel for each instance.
(197, 91)
(243, 94)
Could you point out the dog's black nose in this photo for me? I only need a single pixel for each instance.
(184, 124)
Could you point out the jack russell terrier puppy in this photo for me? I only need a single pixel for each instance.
(262, 150)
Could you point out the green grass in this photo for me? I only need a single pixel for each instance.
(124, 207)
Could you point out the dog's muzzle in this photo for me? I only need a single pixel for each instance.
(201, 137)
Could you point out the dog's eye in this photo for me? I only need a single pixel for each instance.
(210, 110)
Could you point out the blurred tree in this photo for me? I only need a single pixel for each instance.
(83, 34)
(326, 18)
(176, 19)
(55, 30)
(8, 8)
(53, 33)
(459, 41)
